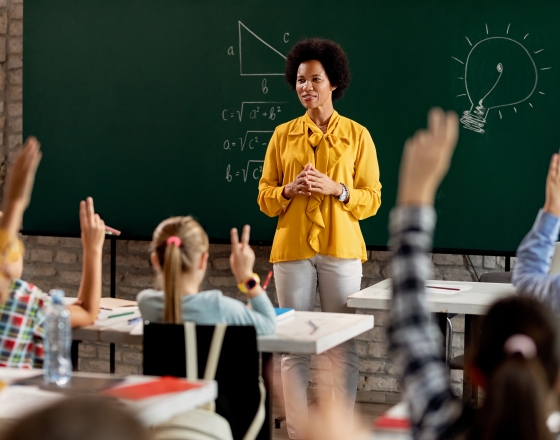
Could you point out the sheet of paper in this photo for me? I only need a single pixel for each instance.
(138, 329)
(17, 401)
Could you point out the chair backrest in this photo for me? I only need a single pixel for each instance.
(496, 277)
(555, 263)
(237, 373)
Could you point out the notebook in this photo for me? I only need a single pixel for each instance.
(283, 313)
(157, 387)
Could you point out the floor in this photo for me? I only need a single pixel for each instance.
(365, 412)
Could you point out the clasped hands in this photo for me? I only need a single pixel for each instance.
(311, 180)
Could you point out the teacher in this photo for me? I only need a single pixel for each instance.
(320, 177)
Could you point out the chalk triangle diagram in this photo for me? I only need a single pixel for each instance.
(256, 56)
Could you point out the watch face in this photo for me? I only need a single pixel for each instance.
(251, 283)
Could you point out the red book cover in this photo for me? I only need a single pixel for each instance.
(388, 422)
(152, 388)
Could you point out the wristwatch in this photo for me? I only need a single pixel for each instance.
(249, 283)
(344, 194)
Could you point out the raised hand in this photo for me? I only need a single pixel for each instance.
(426, 159)
(552, 203)
(242, 258)
(19, 185)
(93, 228)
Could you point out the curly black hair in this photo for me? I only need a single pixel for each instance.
(329, 54)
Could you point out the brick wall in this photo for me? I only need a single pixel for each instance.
(56, 262)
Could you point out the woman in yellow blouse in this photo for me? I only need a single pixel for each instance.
(320, 177)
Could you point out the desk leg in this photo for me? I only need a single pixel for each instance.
(442, 324)
(112, 358)
(267, 374)
(74, 354)
(472, 334)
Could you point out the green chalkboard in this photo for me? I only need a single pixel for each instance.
(165, 107)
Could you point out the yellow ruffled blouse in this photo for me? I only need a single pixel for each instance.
(320, 224)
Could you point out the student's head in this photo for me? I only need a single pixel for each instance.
(317, 70)
(517, 359)
(179, 253)
(79, 418)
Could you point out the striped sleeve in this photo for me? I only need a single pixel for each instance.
(415, 341)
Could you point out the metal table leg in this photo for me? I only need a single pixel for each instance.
(74, 355)
(472, 334)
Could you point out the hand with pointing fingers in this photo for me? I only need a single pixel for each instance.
(242, 258)
(19, 185)
(92, 227)
(552, 203)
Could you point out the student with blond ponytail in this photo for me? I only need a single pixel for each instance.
(180, 256)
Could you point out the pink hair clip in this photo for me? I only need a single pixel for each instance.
(174, 240)
(522, 344)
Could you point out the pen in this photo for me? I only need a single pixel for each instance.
(312, 324)
(444, 288)
(120, 314)
(134, 320)
(268, 277)
(112, 231)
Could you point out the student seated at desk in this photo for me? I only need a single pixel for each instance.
(180, 255)
(23, 306)
(530, 274)
(518, 356)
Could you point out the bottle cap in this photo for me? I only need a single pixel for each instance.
(57, 296)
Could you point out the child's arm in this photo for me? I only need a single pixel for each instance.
(414, 340)
(261, 315)
(530, 275)
(93, 235)
(18, 186)
(241, 261)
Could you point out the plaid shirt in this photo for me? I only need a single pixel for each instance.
(415, 341)
(22, 318)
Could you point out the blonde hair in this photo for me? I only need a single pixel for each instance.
(177, 260)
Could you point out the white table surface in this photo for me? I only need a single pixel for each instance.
(474, 301)
(296, 335)
(150, 411)
(293, 334)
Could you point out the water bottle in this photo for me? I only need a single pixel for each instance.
(57, 366)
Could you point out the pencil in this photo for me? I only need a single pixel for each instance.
(268, 277)
(444, 288)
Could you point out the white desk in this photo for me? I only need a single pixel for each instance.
(293, 334)
(21, 400)
(474, 301)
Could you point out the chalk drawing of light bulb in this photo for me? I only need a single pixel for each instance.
(499, 72)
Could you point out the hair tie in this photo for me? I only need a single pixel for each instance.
(174, 240)
(522, 344)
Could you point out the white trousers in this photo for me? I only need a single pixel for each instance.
(296, 285)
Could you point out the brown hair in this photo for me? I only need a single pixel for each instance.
(177, 260)
(91, 418)
(516, 388)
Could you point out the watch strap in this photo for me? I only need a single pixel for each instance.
(344, 194)
(249, 283)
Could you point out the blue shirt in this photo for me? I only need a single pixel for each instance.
(530, 274)
(212, 307)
